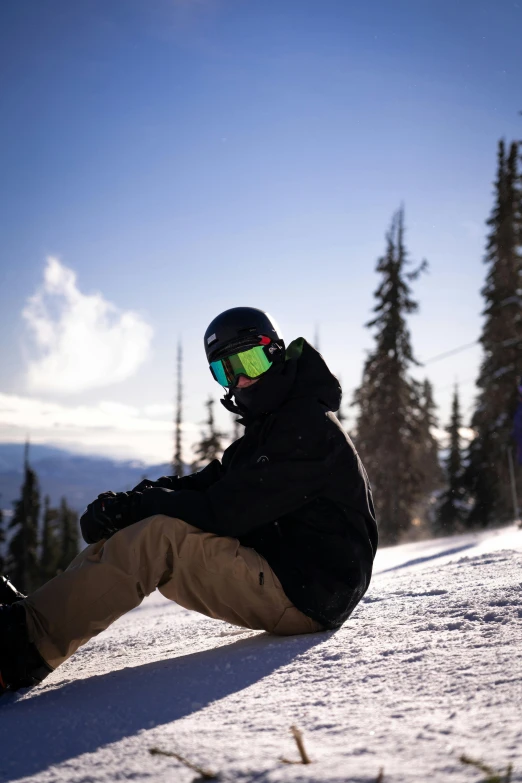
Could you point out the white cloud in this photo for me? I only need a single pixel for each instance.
(159, 409)
(108, 427)
(84, 341)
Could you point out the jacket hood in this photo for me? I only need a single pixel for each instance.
(303, 374)
(313, 378)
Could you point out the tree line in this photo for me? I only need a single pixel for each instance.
(396, 415)
(41, 541)
(469, 486)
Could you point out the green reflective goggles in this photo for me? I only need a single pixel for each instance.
(252, 363)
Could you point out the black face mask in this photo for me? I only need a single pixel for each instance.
(269, 392)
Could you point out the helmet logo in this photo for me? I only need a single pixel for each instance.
(211, 339)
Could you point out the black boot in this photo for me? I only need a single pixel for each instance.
(21, 665)
(8, 592)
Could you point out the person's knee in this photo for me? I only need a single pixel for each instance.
(146, 549)
(88, 553)
(140, 534)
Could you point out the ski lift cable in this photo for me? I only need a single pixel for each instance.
(511, 341)
(453, 351)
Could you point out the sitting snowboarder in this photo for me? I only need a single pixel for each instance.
(280, 535)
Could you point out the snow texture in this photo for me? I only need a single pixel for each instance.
(429, 667)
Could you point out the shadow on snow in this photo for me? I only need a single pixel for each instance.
(84, 715)
(442, 553)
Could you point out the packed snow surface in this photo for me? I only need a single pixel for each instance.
(428, 668)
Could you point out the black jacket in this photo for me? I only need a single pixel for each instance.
(293, 488)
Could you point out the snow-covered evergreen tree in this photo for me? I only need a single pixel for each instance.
(177, 462)
(211, 444)
(2, 538)
(452, 508)
(68, 533)
(50, 542)
(22, 556)
(487, 475)
(388, 399)
(428, 453)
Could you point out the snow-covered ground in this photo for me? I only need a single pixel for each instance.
(428, 668)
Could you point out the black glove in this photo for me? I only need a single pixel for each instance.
(110, 512)
(196, 482)
(167, 482)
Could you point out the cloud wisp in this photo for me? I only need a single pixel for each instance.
(83, 340)
(107, 427)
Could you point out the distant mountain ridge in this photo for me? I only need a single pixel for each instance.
(62, 473)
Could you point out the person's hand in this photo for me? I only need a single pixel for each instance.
(110, 512)
(144, 484)
(166, 482)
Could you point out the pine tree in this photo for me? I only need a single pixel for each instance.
(487, 475)
(22, 558)
(50, 545)
(388, 399)
(429, 450)
(428, 453)
(68, 532)
(210, 446)
(452, 509)
(178, 465)
(2, 538)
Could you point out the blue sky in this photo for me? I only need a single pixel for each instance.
(179, 157)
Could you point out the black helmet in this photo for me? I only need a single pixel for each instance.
(241, 328)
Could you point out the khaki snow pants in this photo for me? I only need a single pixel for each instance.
(213, 575)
